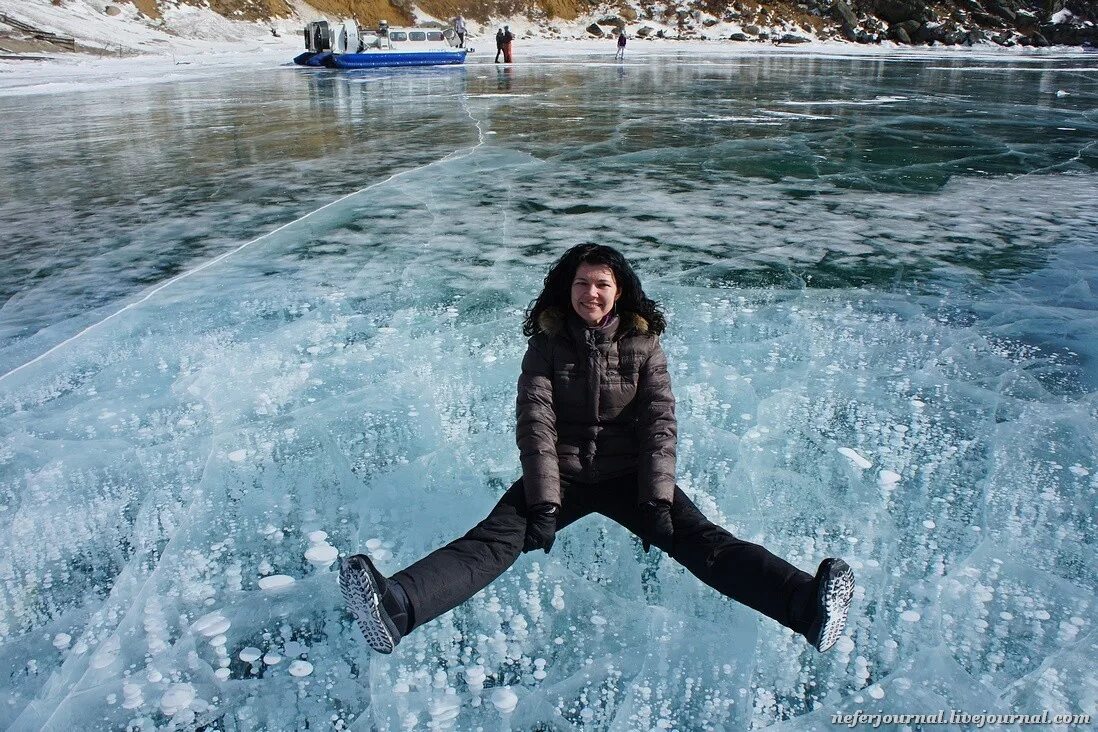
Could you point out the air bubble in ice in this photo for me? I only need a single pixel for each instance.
(321, 555)
(887, 478)
(300, 668)
(176, 698)
(275, 582)
(249, 654)
(855, 458)
(211, 624)
(558, 598)
(106, 654)
(504, 699)
(443, 710)
(474, 677)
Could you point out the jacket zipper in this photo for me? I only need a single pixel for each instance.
(594, 378)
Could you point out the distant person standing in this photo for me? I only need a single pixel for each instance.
(459, 28)
(621, 46)
(499, 44)
(508, 39)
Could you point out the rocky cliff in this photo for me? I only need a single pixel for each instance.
(949, 22)
(1006, 22)
(906, 22)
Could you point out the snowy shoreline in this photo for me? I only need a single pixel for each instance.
(51, 74)
(192, 43)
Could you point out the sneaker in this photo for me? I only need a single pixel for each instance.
(364, 590)
(835, 590)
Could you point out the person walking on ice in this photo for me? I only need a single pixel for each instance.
(620, 55)
(459, 28)
(596, 433)
(508, 40)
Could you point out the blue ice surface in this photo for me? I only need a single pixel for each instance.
(243, 310)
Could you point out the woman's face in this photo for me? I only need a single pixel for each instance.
(594, 292)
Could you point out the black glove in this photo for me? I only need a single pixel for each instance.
(541, 527)
(656, 526)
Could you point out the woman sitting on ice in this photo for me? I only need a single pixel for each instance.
(596, 431)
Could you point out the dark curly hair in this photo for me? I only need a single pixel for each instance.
(558, 287)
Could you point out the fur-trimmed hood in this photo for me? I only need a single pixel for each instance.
(551, 321)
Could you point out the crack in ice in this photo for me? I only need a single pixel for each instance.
(449, 157)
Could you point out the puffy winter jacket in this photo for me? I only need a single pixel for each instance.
(595, 403)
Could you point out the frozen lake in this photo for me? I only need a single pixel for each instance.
(244, 308)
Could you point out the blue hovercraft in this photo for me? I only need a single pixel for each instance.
(346, 46)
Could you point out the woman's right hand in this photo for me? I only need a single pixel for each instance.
(541, 527)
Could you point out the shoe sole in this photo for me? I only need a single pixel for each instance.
(363, 599)
(835, 597)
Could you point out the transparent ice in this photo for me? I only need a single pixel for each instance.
(254, 320)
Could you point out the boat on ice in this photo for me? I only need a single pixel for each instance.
(346, 46)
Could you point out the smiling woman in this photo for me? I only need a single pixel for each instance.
(597, 433)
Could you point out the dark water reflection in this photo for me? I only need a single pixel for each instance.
(751, 171)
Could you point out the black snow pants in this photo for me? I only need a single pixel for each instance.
(743, 571)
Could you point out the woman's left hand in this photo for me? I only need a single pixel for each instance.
(656, 525)
(541, 527)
